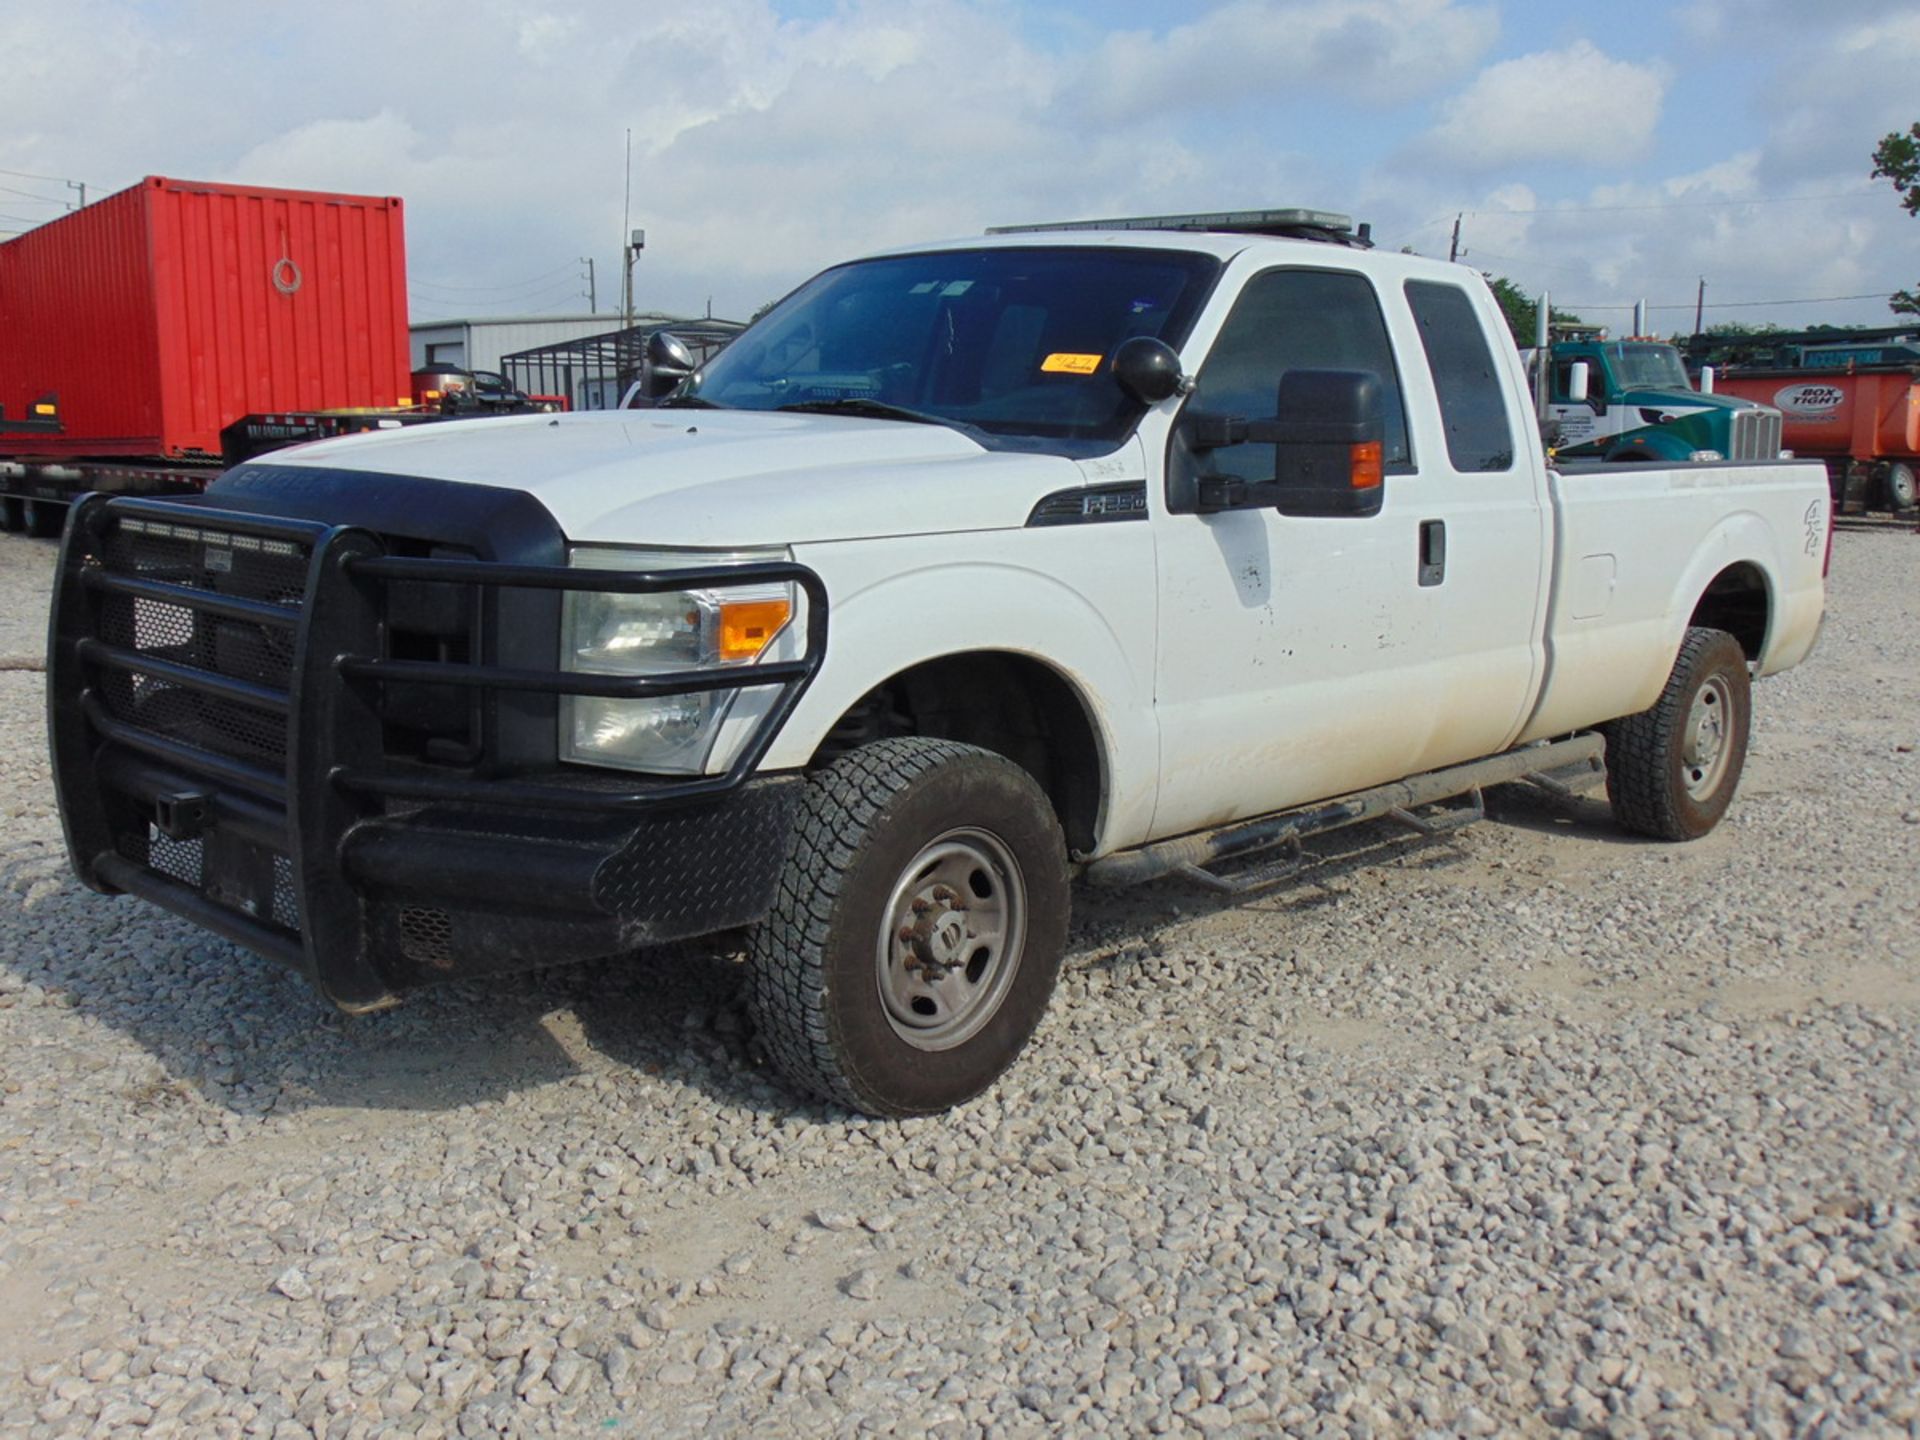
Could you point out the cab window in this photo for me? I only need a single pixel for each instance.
(1297, 320)
(1473, 411)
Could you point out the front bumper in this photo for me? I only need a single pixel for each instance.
(223, 696)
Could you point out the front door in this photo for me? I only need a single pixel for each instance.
(1303, 658)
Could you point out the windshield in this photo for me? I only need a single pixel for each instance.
(1012, 342)
(1647, 367)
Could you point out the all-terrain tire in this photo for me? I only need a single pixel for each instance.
(1672, 769)
(902, 850)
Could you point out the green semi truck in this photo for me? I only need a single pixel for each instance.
(1632, 400)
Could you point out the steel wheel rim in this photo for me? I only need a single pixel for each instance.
(951, 939)
(1708, 740)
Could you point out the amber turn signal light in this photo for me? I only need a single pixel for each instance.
(748, 626)
(1365, 467)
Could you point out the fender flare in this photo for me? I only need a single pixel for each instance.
(1035, 617)
(1743, 538)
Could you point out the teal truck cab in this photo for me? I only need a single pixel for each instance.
(1632, 400)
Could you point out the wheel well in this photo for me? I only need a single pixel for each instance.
(1737, 603)
(1010, 704)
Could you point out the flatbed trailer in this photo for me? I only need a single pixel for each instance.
(36, 491)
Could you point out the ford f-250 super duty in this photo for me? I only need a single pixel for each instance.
(1123, 549)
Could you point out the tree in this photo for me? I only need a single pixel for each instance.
(1897, 157)
(1523, 314)
(1740, 329)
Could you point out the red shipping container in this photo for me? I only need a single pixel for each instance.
(165, 312)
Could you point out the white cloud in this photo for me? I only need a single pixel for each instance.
(1525, 110)
(767, 146)
(1369, 50)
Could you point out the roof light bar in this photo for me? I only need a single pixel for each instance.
(1298, 224)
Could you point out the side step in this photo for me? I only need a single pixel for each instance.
(1563, 767)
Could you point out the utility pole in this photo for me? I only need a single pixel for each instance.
(626, 243)
(593, 295)
(1453, 250)
(1543, 354)
(636, 242)
(1700, 305)
(81, 186)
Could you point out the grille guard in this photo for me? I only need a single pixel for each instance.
(114, 777)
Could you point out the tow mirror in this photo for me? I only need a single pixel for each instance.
(1579, 378)
(1328, 439)
(1149, 370)
(669, 361)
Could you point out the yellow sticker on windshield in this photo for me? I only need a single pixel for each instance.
(1062, 363)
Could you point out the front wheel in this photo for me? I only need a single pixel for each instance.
(918, 928)
(1672, 769)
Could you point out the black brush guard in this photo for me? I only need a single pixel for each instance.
(364, 871)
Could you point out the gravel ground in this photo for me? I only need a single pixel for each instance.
(1532, 1129)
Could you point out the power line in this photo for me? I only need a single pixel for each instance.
(29, 175)
(1478, 254)
(487, 309)
(564, 287)
(1734, 304)
(479, 289)
(1678, 204)
(29, 195)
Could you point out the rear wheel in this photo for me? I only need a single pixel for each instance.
(1672, 770)
(1903, 489)
(918, 929)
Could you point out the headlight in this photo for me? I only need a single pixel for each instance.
(661, 634)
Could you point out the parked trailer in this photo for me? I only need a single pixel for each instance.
(1865, 423)
(35, 494)
(1849, 397)
(138, 332)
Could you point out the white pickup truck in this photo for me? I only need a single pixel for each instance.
(1118, 550)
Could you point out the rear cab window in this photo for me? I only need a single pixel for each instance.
(1473, 406)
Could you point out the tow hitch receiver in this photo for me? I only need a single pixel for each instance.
(182, 814)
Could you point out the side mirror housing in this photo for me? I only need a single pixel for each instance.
(1328, 439)
(669, 361)
(1579, 378)
(1329, 457)
(1149, 370)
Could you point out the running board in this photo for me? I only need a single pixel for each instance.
(1561, 766)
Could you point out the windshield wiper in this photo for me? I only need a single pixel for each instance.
(861, 405)
(686, 402)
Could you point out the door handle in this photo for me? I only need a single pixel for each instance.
(1433, 551)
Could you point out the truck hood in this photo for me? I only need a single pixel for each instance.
(1681, 402)
(718, 477)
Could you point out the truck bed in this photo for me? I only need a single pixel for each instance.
(1625, 582)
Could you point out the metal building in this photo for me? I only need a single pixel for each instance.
(479, 342)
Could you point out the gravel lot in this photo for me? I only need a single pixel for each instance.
(1532, 1129)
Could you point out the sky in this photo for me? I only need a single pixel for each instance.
(1607, 153)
